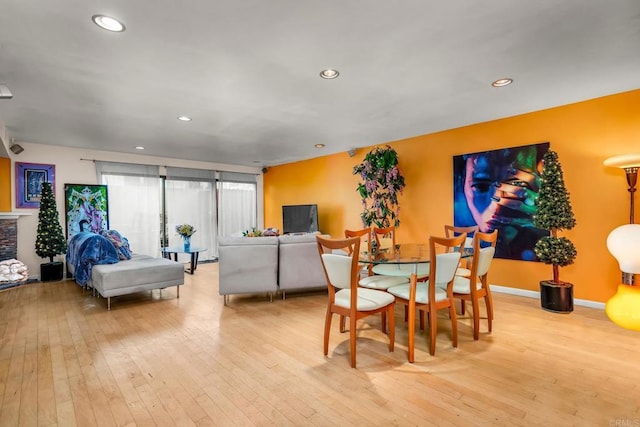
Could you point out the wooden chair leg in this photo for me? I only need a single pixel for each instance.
(422, 320)
(384, 322)
(476, 318)
(327, 330)
(343, 326)
(392, 327)
(406, 313)
(463, 306)
(352, 339)
(488, 300)
(411, 330)
(433, 328)
(454, 323)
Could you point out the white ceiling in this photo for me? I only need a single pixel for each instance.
(247, 70)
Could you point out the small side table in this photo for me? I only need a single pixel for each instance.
(175, 250)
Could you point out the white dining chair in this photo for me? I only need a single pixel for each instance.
(345, 297)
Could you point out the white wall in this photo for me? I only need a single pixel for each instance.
(4, 143)
(70, 169)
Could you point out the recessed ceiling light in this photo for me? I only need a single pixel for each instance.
(319, 145)
(108, 23)
(184, 118)
(139, 147)
(502, 82)
(329, 73)
(5, 93)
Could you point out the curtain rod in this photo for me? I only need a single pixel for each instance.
(164, 166)
(124, 163)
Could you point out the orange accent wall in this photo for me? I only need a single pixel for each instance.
(5, 184)
(583, 134)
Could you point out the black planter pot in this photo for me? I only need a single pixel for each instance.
(556, 297)
(51, 271)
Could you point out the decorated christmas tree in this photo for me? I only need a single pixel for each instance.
(49, 241)
(554, 213)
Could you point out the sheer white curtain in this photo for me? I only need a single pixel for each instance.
(237, 195)
(215, 203)
(192, 202)
(134, 193)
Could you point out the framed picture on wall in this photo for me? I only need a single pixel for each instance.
(29, 179)
(497, 190)
(86, 208)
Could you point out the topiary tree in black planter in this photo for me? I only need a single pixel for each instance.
(554, 213)
(49, 240)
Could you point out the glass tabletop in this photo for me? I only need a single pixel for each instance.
(181, 250)
(406, 253)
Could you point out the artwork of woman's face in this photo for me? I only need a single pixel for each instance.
(501, 187)
(497, 190)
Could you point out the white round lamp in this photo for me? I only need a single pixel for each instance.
(624, 244)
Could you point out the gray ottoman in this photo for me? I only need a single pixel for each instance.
(140, 273)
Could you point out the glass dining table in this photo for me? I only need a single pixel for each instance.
(406, 260)
(403, 260)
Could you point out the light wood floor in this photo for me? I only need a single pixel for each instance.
(157, 360)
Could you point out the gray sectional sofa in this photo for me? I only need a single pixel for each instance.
(269, 264)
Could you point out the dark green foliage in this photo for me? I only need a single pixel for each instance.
(382, 182)
(554, 213)
(553, 204)
(558, 251)
(50, 240)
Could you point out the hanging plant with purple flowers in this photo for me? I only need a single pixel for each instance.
(380, 186)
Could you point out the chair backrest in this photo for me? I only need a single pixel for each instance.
(385, 237)
(452, 230)
(341, 271)
(444, 260)
(338, 269)
(364, 235)
(484, 245)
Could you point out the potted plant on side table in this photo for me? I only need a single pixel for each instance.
(49, 241)
(554, 213)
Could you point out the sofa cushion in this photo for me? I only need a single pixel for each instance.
(247, 265)
(298, 238)
(300, 266)
(140, 273)
(247, 241)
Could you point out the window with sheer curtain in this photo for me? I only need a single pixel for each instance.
(190, 196)
(146, 207)
(238, 203)
(134, 193)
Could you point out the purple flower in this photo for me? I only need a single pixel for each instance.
(371, 186)
(367, 166)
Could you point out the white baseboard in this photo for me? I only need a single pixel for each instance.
(536, 294)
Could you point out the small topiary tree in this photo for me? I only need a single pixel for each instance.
(49, 241)
(554, 213)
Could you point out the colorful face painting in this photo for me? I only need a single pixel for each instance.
(497, 190)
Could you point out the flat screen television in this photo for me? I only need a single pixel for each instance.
(299, 219)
